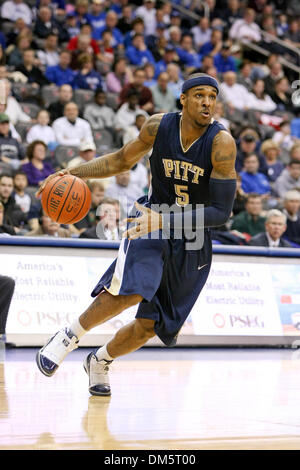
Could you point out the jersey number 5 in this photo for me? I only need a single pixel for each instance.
(182, 195)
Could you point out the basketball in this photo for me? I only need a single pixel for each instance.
(66, 199)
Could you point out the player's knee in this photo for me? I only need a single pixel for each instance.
(144, 329)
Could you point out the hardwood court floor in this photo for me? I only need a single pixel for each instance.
(161, 399)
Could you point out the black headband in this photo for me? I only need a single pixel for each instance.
(192, 82)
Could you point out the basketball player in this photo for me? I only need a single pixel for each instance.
(192, 162)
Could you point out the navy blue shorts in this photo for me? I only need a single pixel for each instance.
(167, 276)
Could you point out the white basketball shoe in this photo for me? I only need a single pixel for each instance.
(97, 371)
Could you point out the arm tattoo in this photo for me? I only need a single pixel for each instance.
(223, 157)
(153, 125)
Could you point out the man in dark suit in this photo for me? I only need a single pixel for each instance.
(275, 226)
(107, 227)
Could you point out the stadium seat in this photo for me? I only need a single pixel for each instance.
(49, 94)
(112, 101)
(22, 128)
(64, 154)
(24, 91)
(103, 140)
(31, 109)
(82, 97)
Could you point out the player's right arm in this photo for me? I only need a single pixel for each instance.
(117, 162)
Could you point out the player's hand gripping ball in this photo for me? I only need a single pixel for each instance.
(66, 199)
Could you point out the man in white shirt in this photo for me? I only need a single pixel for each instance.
(233, 94)
(124, 190)
(201, 32)
(126, 114)
(148, 13)
(13, 9)
(49, 55)
(13, 108)
(246, 28)
(275, 227)
(70, 129)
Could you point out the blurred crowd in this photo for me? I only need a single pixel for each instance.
(79, 78)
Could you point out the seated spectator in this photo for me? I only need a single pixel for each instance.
(98, 114)
(49, 56)
(87, 152)
(295, 151)
(107, 227)
(175, 80)
(92, 46)
(219, 115)
(5, 228)
(281, 95)
(274, 167)
(188, 57)
(283, 137)
(81, 12)
(37, 169)
(275, 226)
(250, 221)
(19, 26)
(11, 10)
(201, 32)
(252, 180)
(119, 76)
(22, 198)
(49, 228)
(107, 52)
(41, 130)
(71, 25)
(150, 72)
(293, 33)
(97, 189)
(236, 96)
(46, 24)
(145, 99)
(15, 52)
(291, 209)
(137, 53)
(96, 17)
(259, 100)
(111, 21)
(13, 215)
(289, 179)
(124, 190)
(169, 57)
(246, 145)
(11, 152)
(137, 27)
(246, 28)
(61, 74)
(223, 60)
(126, 114)
(214, 45)
(163, 97)
(275, 73)
(87, 78)
(56, 109)
(148, 13)
(125, 20)
(34, 75)
(71, 129)
(245, 75)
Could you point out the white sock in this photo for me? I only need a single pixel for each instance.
(103, 354)
(77, 329)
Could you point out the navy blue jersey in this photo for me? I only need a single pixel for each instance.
(181, 177)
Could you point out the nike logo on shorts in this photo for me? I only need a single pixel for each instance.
(200, 267)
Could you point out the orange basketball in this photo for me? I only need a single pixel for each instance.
(66, 199)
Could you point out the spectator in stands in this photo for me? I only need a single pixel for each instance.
(41, 130)
(236, 96)
(145, 99)
(175, 80)
(96, 17)
(107, 227)
(49, 56)
(125, 20)
(107, 52)
(223, 60)
(188, 57)
(244, 77)
(56, 109)
(21, 195)
(34, 75)
(293, 33)
(11, 152)
(15, 53)
(71, 25)
(126, 114)
(247, 145)
(61, 74)
(169, 57)
(250, 221)
(231, 13)
(98, 114)
(81, 12)
(11, 10)
(174, 36)
(70, 129)
(219, 115)
(201, 32)
(13, 215)
(49, 228)
(18, 27)
(137, 27)
(97, 189)
(252, 180)
(274, 167)
(87, 78)
(246, 28)
(133, 131)
(46, 24)
(5, 228)
(291, 210)
(289, 179)
(163, 97)
(87, 152)
(137, 53)
(111, 21)
(148, 13)
(276, 72)
(284, 138)
(281, 95)
(119, 76)
(259, 100)
(275, 226)
(124, 190)
(37, 169)
(295, 151)
(214, 45)
(91, 46)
